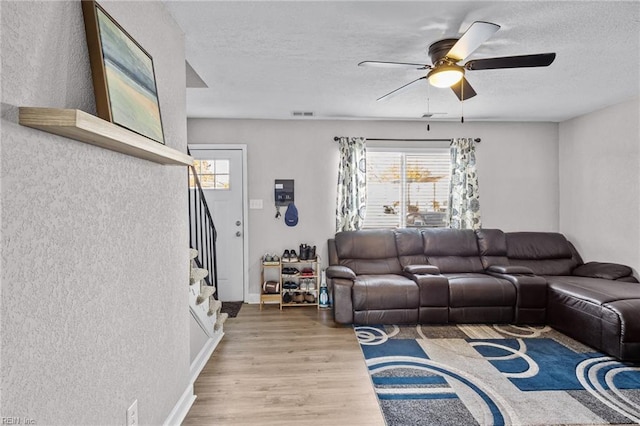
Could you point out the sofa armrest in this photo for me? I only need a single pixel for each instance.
(337, 271)
(342, 298)
(422, 269)
(608, 271)
(510, 269)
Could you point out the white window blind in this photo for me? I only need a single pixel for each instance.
(407, 188)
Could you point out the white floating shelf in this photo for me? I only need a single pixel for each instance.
(84, 127)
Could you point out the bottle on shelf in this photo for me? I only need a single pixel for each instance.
(323, 299)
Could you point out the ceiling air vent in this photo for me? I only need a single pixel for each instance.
(302, 114)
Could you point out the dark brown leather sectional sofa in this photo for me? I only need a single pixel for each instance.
(441, 275)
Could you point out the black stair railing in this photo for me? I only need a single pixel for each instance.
(202, 230)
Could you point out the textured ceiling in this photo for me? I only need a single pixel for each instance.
(266, 59)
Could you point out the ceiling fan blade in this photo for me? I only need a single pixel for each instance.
(522, 61)
(381, 64)
(478, 33)
(466, 91)
(400, 89)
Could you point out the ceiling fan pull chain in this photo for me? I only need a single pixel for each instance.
(462, 103)
(428, 107)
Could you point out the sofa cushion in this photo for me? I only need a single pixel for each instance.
(409, 245)
(452, 250)
(375, 292)
(492, 245)
(609, 271)
(545, 253)
(371, 251)
(468, 289)
(594, 290)
(537, 245)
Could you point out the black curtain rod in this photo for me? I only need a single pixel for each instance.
(477, 140)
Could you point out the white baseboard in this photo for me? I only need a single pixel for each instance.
(205, 353)
(253, 298)
(182, 407)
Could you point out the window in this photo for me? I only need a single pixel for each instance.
(407, 188)
(212, 174)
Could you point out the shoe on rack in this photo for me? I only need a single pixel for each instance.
(303, 285)
(286, 257)
(304, 251)
(286, 298)
(312, 253)
(275, 258)
(293, 257)
(310, 298)
(298, 297)
(290, 285)
(311, 286)
(290, 271)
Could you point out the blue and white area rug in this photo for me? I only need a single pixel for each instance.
(495, 375)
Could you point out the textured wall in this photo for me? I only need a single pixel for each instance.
(94, 261)
(517, 166)
(600, 183)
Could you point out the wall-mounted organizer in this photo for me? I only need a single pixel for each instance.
(283, 192)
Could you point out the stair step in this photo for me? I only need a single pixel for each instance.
(206, 291)
(220, 321)
(197, 274)
(214, 307)
(193, 253)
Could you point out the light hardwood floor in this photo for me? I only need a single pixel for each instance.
(294, 366)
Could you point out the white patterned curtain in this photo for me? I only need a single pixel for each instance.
(352, 184)
(464, 199)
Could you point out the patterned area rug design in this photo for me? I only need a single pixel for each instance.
(495, 375)
(231, 308)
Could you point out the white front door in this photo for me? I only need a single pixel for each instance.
(221, 174)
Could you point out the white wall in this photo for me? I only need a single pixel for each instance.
(600, 183)
(518, 173)
(198, 338)
(94, 304)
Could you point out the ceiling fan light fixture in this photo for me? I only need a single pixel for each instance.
(445, 75)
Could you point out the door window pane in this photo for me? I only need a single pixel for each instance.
(212, 174)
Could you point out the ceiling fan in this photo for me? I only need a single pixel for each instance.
(445, 55)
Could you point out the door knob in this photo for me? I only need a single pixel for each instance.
(238, 234)
(238, 223)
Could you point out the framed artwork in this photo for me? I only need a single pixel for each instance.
(124, 80)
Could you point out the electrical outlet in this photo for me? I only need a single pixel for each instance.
(132, 414)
